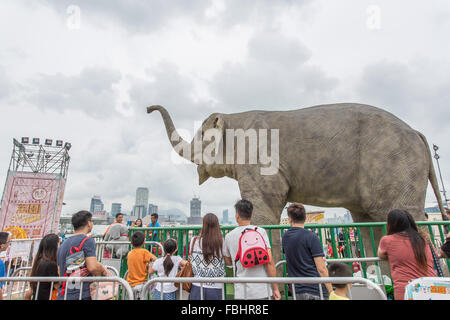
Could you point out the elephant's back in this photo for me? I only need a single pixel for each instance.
(320, 116)
(326, 149)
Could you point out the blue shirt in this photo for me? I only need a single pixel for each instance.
(156, 225)
(301, 246)
(2, 272)
(63, 252)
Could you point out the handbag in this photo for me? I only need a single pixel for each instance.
(437, 264)
(104, 290)
(186, 272)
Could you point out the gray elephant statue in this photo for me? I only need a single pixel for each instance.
(117, 232)
(348, 155)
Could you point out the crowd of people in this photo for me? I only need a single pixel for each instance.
(247, 249)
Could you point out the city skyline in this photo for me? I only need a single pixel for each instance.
(336, 215)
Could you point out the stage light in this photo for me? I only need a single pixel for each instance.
(25, 140)
(435, 147)
(59, 143)
(48, 142)
(35, 140)
(67, 146)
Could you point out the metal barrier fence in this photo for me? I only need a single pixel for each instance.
(376, 269)
(351, 240)
(116, 260)
(346, 239)
(20, 253)
(53, 280)
(346, 242)
(349, 260)
(17, 288)
(268, 281)
(113, 270)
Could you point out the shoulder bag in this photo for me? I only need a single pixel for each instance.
(186, 272)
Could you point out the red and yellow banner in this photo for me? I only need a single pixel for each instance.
(32, 202)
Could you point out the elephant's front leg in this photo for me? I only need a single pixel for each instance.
(268, 194)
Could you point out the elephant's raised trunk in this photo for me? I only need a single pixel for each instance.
(178, 143)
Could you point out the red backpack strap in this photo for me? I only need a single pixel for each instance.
(236, 259)
(82, 242)
(240, 249)
(265, 244)
(79, 247)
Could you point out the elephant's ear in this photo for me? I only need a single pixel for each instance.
(219, 124)
(213, 131)
(213, 137)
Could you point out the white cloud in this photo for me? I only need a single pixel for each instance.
(276, 74)
(91, 91)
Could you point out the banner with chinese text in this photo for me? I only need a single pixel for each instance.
(32, 202)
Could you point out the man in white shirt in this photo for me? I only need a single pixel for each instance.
(244, 210)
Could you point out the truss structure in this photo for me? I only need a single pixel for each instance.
(40, 158)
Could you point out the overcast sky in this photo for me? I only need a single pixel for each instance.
(85, 71)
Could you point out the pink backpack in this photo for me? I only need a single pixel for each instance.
(252, 249)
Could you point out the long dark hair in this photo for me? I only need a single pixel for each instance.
(211, 237)
(170, 246)
(402, 223)
(47, 251)
(135, 223)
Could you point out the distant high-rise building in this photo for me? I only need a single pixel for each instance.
(96, 204)
(348, 217)
(139, 212)
(196, 212)
(141, 201)
(152, 209)
(115, 209)
(225, 217)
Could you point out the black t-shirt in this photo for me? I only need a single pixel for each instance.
(45, 269)
(301, 246)
(446, 247)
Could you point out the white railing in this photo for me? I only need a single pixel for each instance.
(268, 281)
(81, 280)
(17, 288)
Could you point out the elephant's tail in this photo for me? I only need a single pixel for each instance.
(432, 177)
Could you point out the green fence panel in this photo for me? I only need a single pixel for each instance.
(361, 251)
(185, 234)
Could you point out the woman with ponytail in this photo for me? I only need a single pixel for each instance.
(167, 266)
(406, 250)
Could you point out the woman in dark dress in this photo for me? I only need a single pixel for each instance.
(45, 265)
